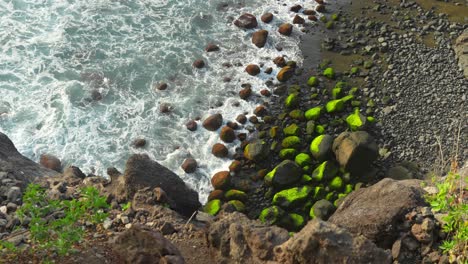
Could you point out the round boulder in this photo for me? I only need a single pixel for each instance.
(211, 47)
(259, 38)
(221, 180)
(198, 64)
(246, 21)
(219, 150)
(252, 69)
(285, 29)
(285, 73)
(213, 122)
(191, 125)
(51, 162)
(285, 174)
(322, 210)
(256, 150)
(189, 165)
(267, 18)
(227, 134)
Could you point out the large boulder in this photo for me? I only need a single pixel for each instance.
(285, 174)
(461, 51)
(321, 147)
(322, 242)
(376, 211)
(256, 150)
(143, 172)
(355, 151)
(213, 122)
(246, 21)
(236, 239)
(140, 244)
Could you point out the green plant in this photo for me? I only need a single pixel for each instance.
(449, 200)
(57, 225)
(126, 206)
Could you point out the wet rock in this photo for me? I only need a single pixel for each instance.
(51, 162)
(308, 12)
(211, 47)
(189, 165)
(139, 143)
(162, 86)
(259, 38)
(252, 69)
(96, 95)
(321, 147)
(221, 180)
(285, 74)
(279, 61)
(322, 210)
(245, 93)
(355, 151)
(260, 111)
(191, 125)
(284, 175)
(219, 150)
(376, 211)
(213, 122)
(227, 134)
(298, 20)
(246, 21)
(198, 64)
(320, 8)
(285, 29)
(323, 242)
(140, 244)
(267, 17)
(312, 18)
(241, 119)
(256, 150)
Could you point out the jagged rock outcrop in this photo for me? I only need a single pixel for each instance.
(461, 52)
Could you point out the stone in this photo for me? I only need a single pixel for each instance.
(423, 236)
(320, 8)
(245, 93)
(221, 180)
(259, 38)
(257, 151)
(213, 122)
(235, 195)
(189, 165)
(213, 207)
(140, 244)
(334, 106)
(399, 172)
(267, 17)
(211, 47)
(291, 142)
(51, 162)
(313, 113)
(285, 73)
(293, 197)
(355, 151)
(285, 174)
(298, 20)
(325, 171)
(356, 121)
(295, 8)
(322, 210)
(285, 29)
(198, 64)
(260, 111)
(252, 69)
(235, 166)
(227, 134)
(279, 61)
(313, 81)
(461, 52)
(191, 125)
(142, 172)
(329, 73)
(216, 194)
(292, 100)
(271, 215)
(321, 147)
(323, 242)
(378, 211)
(247, 21)
(14, 194)
(139, 143)
(303, 159)
(219, 150)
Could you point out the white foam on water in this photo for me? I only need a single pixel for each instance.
(54, 53)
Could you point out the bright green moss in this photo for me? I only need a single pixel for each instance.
(353, 91)
(325, 171)
(306, 179)
(240, 207)
(319, 193)
(293, 197)
(335, 17)
(291, 142)
(348, 188)
(271, 215)
(297, 221)
(320, 129)
(324, 19)
(329, 73)
(347, 98)
(313, 113)
(341, 84)
(371, 119)
(336, 184)
(331, 196)
(213, 207)
(288, 153)
(303, 159)
(334, 106)
(336, 92)
(313, 81)
(292, 100)
(356, 121)
(315, 145)
(292, 130)
(297, 114)
(235, 195)
(354, 70)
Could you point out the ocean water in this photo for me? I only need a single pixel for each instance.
(55, 53)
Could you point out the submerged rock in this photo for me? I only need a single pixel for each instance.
(246, 21)
(259, 38)
(213, 122)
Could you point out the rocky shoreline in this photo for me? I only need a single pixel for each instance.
(345, 138)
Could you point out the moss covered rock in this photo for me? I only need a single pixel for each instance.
(256, 150)
(296, 222)
(356, 121)
(320, 129)
(329, 73)
(292, 130)
(212, 207)
(310, 127)
(313, 113)
(285, 73)
(235, 195)
(285, 174)
(271, 215)
(293, 197)
(325, 171)
(303, 159)
(336, 92)
(321, 147)
(334, 106)
(322, 209)
(313, 81)
(319, 193)
(288, 153)
(297, 115)
(292, 100)
(336, 184)
(238, 205)
(274, 132)
(291, 142)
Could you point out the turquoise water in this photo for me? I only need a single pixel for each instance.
(55, 54)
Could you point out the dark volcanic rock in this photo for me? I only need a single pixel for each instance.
(219, 150)
(189, 165)
(298, 20)
(285, 29)
(267, 17)
(213, 122)
(143, 172)
(211, 47)
(191, 125)
(51, 162)
(259, 38)
(252, 69)
(376, 211)
(247, 21)
(198, 64)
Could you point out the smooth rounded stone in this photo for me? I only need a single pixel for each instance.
(236, 166)
(312, 18)
(267, 18)
(285, 29)
(279, 61)
(260, 111)
(221, 180)
(219, 150)
(271, 215)
(285, 73)
(298, 20)
(308, 12)
(257, 151)
(216, 194)
(191, 125)
(51, 162)
(320, 8)
(241, 119)
(293, 197)
(139, 143)
(356, 121)
(198, 64)
(247, 21)
(322, 210)
(325, 171)
(245, 93)
(252, 69)
(236, 195)
(161, 86)
(285, 174)
(232, 125)
(321, 147)
(227, 134)
(211, 47)
(213, 122)
(260, 38)
(3, 209)
(295, 8)
(189, 165)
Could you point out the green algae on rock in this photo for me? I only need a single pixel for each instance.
(329, 73)
(336, 184)
(256, 150)
(313, 113)
(238, 205)
(322, 209)
(212, 207)
(356, 121)
(292, 100)
(235, 195)
(293, 197)
(335, 105)
(285, 174)
(325, 171)
(321, 147)
(292, 130)
(320, 129)
(297, 221)
(288, 153)
(313, 81)
(303, 159)
(291, 142)
(271, 215)
(297, 114)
